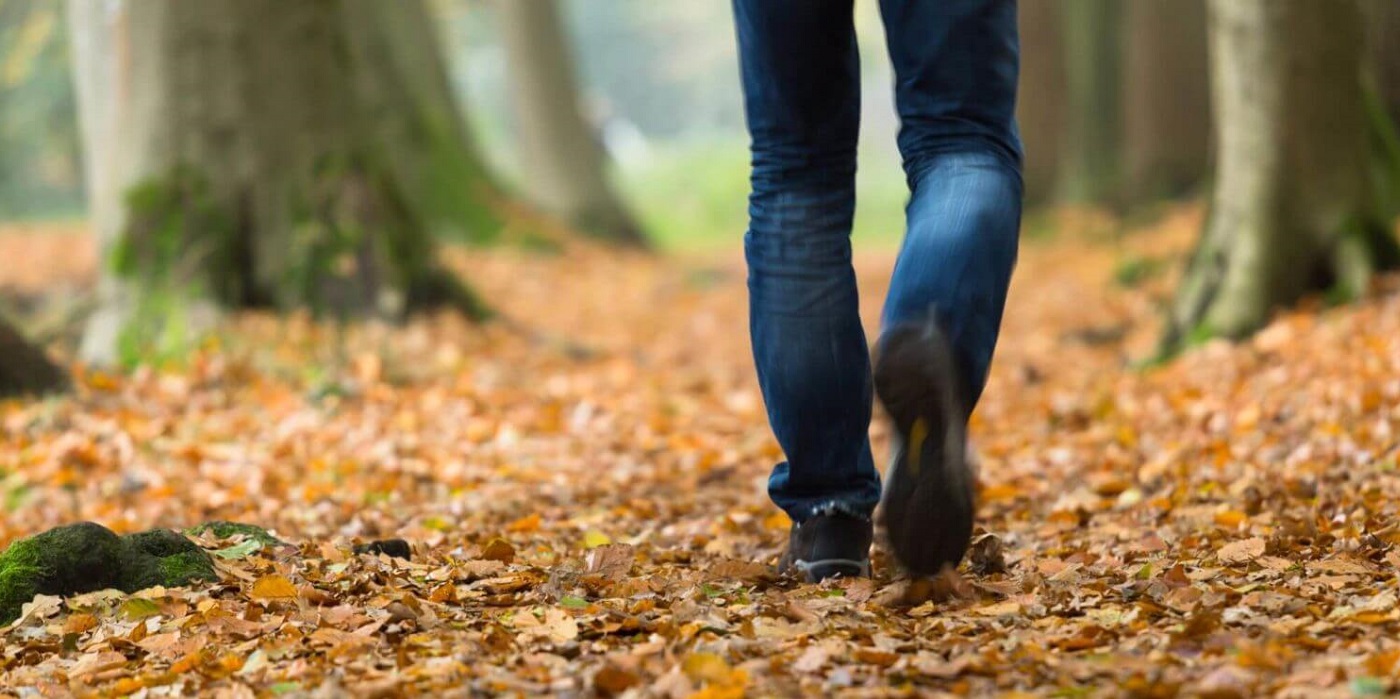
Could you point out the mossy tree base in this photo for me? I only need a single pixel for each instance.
(321, 189)
(1299, 206)
(88, 557)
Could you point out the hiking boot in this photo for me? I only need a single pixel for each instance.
(829, 545)
(928, 500)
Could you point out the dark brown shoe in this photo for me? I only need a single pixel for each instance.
(928, 500)
(828, 546)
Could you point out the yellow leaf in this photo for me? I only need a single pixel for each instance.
(705, 667)
(778, 521)
(138, 608)
(273, 587)
(1230, 518)
(594, 538)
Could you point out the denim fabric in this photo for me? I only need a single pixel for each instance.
(955, 63)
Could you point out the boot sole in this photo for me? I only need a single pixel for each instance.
(928, 501)
(817, 571)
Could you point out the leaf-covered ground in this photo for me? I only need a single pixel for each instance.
(586, 509)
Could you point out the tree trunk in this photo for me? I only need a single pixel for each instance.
(1166, 95)
(24, 369)
(1039, 108)
(1383, 41)
(265, 153)
(563, 163)
(1294, 207)
(1091, 152)
(1383, 24)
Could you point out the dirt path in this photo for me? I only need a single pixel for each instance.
(1221, 525)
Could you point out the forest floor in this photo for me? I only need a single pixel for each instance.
(595, 521)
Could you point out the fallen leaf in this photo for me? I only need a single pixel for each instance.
(1241, 551)
(499, 550)
(273, 587)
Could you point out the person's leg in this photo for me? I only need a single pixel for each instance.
(802, 99)
(955, 63)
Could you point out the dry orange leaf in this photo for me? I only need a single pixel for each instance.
(526, 524)
(273, 587)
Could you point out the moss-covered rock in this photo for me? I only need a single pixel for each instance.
(228, 530)
(87, 557)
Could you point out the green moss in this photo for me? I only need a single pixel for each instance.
(183, 568)
(228, 530)
(19, 572)
(163, 557)
(86, 557)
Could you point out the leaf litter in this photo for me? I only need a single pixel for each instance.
(1223, 525)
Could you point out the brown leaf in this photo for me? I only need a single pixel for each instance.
(1242, 551)
(611, 680)
(747, 571)
(987, 556)
(613, 561)
(499, 550)
(78, 623)
(813, 659)
(875, 656)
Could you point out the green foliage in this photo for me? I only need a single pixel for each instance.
(86, 557)
(180, 246)
(176, 230)
(696, 196)
(39, 139)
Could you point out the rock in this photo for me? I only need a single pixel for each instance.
(394, 548)
(228, 530)
(87, 557)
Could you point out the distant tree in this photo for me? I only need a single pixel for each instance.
(1166, 99)
(24, 369)
(39, 159)
(1091, 149)
(563, 164)
(1040, 96)
(271, 153)
(1295, 208)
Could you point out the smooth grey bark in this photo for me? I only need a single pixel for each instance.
(1294, 207)
(266, 153)
(1166, 98)
(1091, 152)
(564, 167)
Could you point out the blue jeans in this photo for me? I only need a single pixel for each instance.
(955, 62)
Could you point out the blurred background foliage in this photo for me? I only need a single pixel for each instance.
(658, 82)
